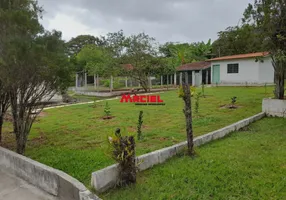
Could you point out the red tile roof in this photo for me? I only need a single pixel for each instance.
(128, 66)
(241, 56)
(194, 66)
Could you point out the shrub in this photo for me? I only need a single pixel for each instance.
(123, 152)
(139, 125)
(106, 83)
(116, 83)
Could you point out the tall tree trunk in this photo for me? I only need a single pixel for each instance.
(144, 84)
(279, 76)
(22, 126)
(188, 115)
(21, 141)
(22, 122)
(279, 85)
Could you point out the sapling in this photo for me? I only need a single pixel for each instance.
(107, 110)
(139, 125)
(197, 101)
(233, 101)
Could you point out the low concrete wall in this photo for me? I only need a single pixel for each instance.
(119, 93)
(52, 181)
(274, 107)
(107, 178)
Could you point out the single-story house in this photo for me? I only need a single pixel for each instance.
(251, 68)
(198, 73)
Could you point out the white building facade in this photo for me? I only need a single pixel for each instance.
(255, 68)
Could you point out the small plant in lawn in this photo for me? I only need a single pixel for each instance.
(107, 111)
(216, 84)
(123, 152)
(139, 125)
(203, 90)
(197, 101)
(233, 101)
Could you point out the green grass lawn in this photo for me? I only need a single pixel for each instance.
(74, 139)
(248, 164)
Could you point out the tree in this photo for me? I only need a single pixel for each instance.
(270, 18)
(115, 43)
(186, 96)
(33, 65)
(75, 45)
(183, 53)
(238, 40)
(201, 50)
(142, 54)
(98, 60)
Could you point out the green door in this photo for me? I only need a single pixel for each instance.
(216, 74)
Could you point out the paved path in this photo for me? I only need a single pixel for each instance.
(90, 102)
(13, 188)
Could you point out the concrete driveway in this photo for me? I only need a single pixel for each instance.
(13, 188)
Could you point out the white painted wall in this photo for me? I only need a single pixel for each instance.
(266, 71)
(249, 71)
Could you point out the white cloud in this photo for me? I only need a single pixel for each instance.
(70, 24)
(166, 20)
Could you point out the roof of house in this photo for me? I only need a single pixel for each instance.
(194, 66)
(241, 56)
(128, 66)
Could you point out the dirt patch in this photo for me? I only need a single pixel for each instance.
(90, 145)
(131, 129)
(38, 140)
(107, 117)
(163, 139)
(230, 106)
(42, 114)
(8, 145)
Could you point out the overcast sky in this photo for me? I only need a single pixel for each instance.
(166, 20)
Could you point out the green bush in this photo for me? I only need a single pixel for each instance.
(123, 152)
